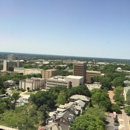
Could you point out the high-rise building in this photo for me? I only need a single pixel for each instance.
(79, 69)
(11, 57)
(13, 63)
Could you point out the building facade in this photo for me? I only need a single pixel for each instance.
(76, 80)
(91, 74)
(58, 81)
(25, 71)
(49, 73)
(14, 63)
(79, 69)
(67, 81)
(31, 84)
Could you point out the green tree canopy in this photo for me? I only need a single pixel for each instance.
(115, 107)
(88, 122)
(100, 98)
(61, 98)
(127, 110)
(128, 97)
(118, 97)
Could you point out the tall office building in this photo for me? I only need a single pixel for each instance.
(79, 69)
(14, 63)
(11, 57)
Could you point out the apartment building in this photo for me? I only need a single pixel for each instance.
(79, 69)
(49, 73)
(31, 84)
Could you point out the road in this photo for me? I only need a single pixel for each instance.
(124, 121)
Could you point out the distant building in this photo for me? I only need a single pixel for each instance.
(31, 84)
(14, 63)
(25, 71)
(91, 74)
(11, 57)
(49, 73)
(79, 69)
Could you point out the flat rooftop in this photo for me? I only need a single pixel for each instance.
(74, 77)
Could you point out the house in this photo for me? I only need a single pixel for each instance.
(79, 97)
(80, 103)
(60, 121)
(65, 114)
(56, 126)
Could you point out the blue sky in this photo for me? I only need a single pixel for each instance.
(89, 28)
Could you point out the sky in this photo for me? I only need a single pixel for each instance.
(88, 28)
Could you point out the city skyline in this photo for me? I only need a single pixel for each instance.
(72, 28)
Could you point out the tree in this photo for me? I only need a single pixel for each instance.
(82, 90)
(97, 112)
(119, 81)
(128, 97)
(100, 98)
(87, 122)
(118, 97)
(41, 98)
(42, 114)
(61, 98)
(115, 107)
(105, 82)
(15, 97)
(127, 110)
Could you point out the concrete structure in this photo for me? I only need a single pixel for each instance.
(67, 81)
(57, 81)
(27, 71)
(79, 69)
(91, 74)
(9, 83)
(127, 82)
(32, 84)
(11, 57)
(94, 85)
(125, 92)
(49, 73)
(79, 97)
(76, 80)
(15, 63)
(119, 69)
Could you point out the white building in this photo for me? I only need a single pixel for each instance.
(25, 71)
(32, 84)
(67, 81)
(57, 81)
(76, 80)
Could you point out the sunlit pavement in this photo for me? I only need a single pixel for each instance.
(123, 121)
